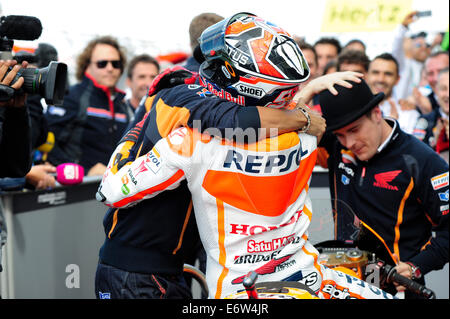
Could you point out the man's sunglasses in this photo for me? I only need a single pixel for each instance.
(101, 64)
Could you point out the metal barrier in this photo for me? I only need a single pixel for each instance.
(53, 242)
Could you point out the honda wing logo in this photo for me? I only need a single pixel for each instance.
(383, 179)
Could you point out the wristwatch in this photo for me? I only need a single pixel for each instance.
(415, 271)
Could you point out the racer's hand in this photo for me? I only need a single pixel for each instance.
(6, 79)
(327, 82)
(170, 78)
(405, 270)
(318, 123)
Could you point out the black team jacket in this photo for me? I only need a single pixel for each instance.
(401, 193)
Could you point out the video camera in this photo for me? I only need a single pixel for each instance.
(48, 82)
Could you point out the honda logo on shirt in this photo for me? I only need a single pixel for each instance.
(383, 179)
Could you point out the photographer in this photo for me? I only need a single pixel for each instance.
(15, 142)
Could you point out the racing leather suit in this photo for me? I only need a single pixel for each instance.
(251, 204)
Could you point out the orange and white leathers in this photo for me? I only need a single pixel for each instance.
(251, 204)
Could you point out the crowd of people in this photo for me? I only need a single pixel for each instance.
(388, 114)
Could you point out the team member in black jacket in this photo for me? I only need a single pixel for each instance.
(393, 182)
(94, 115)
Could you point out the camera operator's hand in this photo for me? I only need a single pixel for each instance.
(7, 77)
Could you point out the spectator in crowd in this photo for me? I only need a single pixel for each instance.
(425, 97)
(142, 69)
(198, 24)
(327, 49)
(391, 180)
(382, 77)
(432, 128)
(94, 115)
(410, 55)
(311, 58)
(434, 64)
(355, 44)
(330, 67)
(442, 92)
(353, 60)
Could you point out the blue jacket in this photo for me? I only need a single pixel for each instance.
(88, 126)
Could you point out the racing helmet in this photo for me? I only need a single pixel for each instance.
(251, 61)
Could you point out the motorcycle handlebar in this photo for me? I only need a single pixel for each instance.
(393, 276)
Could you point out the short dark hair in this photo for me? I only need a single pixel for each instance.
(388, 57)
(306, 46)
(199, 23)
(353, 57)
(329, 65)
(144, 58)
(333, 41)
(437, 53)
(444, 70)
(355, 41)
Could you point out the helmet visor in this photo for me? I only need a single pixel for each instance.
(212, 40)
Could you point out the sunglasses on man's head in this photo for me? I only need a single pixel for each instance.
(117, 64)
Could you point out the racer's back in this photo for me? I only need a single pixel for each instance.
(251, 204)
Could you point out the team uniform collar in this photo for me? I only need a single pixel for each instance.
(392, 136)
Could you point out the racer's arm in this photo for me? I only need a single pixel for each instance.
(273, 122)
(291, 120)
(145, 177)
(221, 114)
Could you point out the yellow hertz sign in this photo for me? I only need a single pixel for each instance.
(364, 16)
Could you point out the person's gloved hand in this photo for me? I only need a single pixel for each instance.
(172, 77)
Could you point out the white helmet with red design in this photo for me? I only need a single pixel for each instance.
(251, 61)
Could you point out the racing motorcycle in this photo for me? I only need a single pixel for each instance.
(359, 252)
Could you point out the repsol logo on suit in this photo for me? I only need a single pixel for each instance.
(264, 163)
